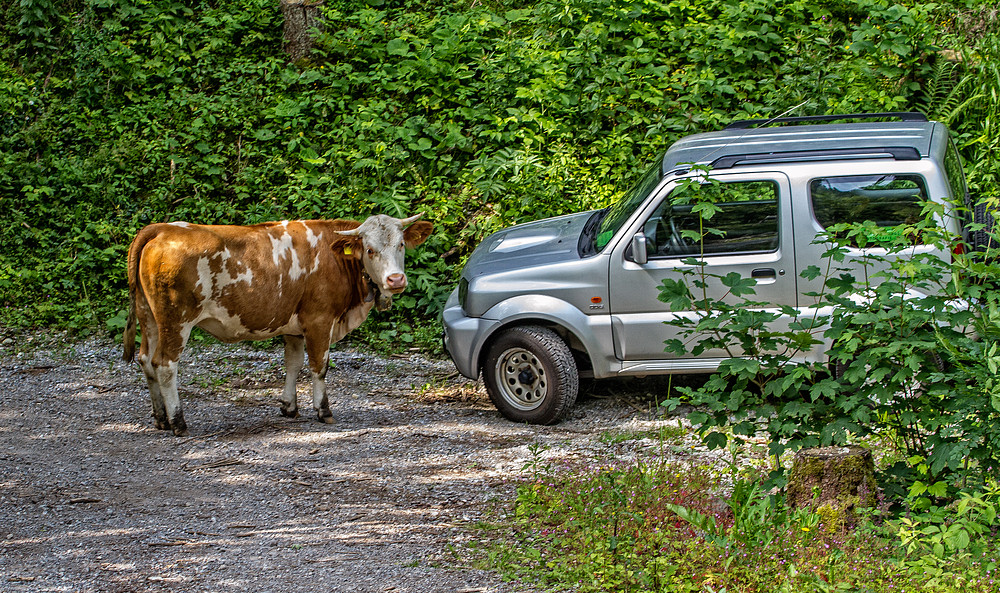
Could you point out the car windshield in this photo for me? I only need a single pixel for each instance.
(617, 214)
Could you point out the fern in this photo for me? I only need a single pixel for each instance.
(945, 95)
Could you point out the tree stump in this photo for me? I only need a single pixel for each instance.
(835, 482)
(301, 17)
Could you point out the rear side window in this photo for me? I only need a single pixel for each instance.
(956, 176)
(746, 220)
(886, 200)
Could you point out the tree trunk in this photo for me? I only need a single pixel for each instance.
(301, 17)
(835, 482)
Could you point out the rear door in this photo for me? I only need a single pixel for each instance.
(751, 236)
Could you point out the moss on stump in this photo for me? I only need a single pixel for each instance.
(835, 482)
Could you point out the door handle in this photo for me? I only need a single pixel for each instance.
(764, 273)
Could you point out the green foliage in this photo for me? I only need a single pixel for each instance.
(963, 91)
(915, 340)
(115, 114)
(655, 526)
(937, 542)
(759, 519)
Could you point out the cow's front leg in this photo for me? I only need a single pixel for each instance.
(295, 355)
(319, 360)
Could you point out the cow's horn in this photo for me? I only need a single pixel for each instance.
(405, 222)
(350, 233)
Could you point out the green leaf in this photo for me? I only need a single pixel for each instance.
(739, 285)
(715, 440)
(740, 366)
(676, 294)
(398, 47)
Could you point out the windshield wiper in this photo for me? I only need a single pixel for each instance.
(587, 245)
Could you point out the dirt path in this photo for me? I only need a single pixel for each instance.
(94, 499)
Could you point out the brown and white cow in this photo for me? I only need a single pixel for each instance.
(311, 281)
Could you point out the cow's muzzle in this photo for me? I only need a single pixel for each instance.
(396, 283)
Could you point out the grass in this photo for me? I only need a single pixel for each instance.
(660, 526)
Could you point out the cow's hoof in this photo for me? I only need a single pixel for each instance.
(180, 427)
(326, 417)
(161, 425)
(289, 413)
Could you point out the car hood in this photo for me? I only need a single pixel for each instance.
(532, 244)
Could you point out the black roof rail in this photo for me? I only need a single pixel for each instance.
(907, 116)
(899, 153)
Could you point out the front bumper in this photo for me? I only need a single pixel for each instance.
(464, 336)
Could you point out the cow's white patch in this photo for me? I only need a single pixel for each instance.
(282, 248)
(226, 329)
(204, 284)
(214, 317)
(211, 285)
(312, 237)
(225, 278)
(220, 322)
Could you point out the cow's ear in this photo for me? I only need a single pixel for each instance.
(347, 246)
(417, 233)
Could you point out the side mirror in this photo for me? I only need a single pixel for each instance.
(639, 254)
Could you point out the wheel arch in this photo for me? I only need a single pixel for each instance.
(564, 319)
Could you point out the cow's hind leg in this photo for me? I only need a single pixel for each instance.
(166, 374)
(155, 394)
(165, 357)
(319, 362)
(295, 356)
(147, 344)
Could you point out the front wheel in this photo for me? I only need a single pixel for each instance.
(530, 375)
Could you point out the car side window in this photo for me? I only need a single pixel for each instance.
(886, 200)
(956, 176)
(745, 220)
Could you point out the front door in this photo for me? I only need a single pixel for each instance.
(749, 233)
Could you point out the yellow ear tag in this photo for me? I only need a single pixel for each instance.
(347, 250)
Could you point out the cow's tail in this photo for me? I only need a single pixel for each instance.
(134, 252)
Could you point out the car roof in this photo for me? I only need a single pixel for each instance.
(799, 139)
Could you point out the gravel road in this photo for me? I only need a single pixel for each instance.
(94, 499)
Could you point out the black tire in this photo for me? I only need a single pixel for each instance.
(838, 368)
(982, 239)
(530, 375)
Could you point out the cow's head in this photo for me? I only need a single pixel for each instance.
(380, 243)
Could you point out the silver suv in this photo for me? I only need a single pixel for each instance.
(541, 304)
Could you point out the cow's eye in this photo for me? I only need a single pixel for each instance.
(371, 252)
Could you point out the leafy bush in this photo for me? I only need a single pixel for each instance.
(118, 113)
(914, 346)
